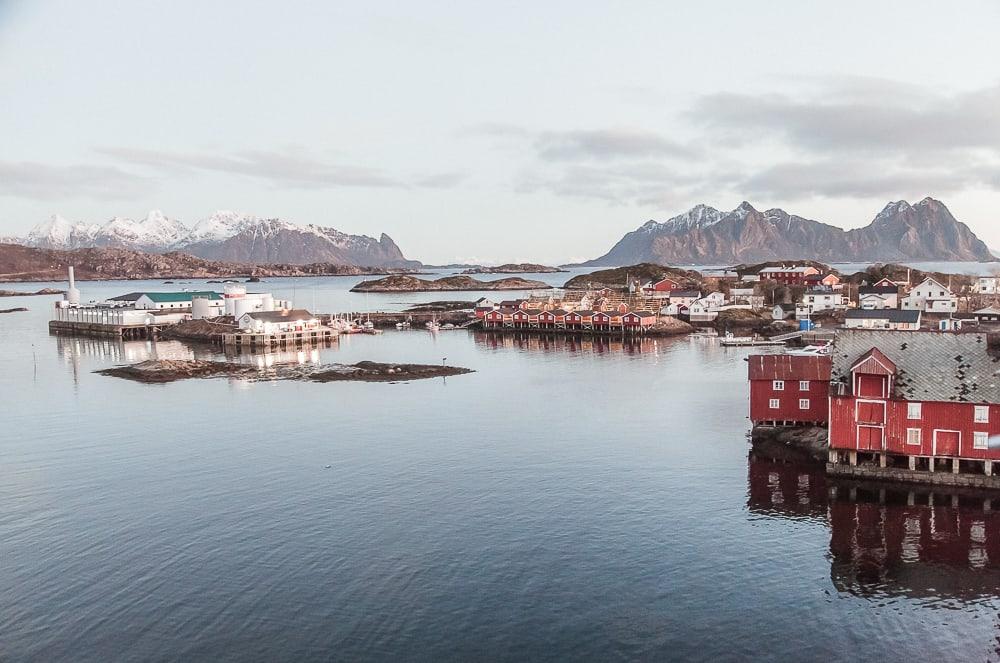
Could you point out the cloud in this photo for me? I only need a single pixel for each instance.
(838, 137)
(38, 181)
(607, 144)
(850, 116)
(289, 168)
(441, 180)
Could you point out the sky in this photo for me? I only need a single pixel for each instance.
(494, 132)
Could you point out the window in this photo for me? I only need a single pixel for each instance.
(803, 385)
(913, 410)
(778, 385)
(803, 403)
(775, 404)
(980, 440)
(982, 415)
(913, 436)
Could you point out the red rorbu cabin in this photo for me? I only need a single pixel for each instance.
(789, 390)
(914, 396)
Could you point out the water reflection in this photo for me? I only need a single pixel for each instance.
(568, 343)
(889, 539)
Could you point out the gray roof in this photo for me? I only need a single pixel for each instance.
(878, 290)
(890, 314)
(281, 316)
(685, 293)
(932, 366)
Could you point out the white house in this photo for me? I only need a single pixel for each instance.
(714, 300)
(931, 297)
(823, 300)
(988, 285)
(272, 322)
(883, 319)
(702, 310)
(878, 296)
(684, 297)
(783, 311)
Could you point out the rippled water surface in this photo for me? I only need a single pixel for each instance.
(571, 499)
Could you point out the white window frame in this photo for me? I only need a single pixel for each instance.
(778, 385)
(803, 385)
(981, 415)
(914, 411)
(774, 403)
(909, 436)
(980, 440)
(803, 403)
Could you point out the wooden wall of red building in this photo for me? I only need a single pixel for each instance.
(934, 415)
(762, 391)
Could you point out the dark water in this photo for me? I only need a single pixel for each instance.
(571, 499)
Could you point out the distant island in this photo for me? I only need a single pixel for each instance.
(901, 232)
(514, 268)
(23, 263)
(406, 283)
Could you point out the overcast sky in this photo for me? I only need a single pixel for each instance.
(497, 131)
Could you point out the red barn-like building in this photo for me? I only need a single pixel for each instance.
(914, 399)
(789, 389)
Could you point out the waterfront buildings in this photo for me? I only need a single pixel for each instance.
(886, 318)
(789, 389)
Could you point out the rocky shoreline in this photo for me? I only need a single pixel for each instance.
(169, 370)
(409, 283)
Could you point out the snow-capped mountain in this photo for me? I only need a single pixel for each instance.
(224, 235)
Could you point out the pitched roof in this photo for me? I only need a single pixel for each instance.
(931, 366)
(878, 290)
(130, 297)
(685, 293)
(789, 367)
(161, 297)
(989, 310)
(292, 315)
(785, 307)
(890, 314)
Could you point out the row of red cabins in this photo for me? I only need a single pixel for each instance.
(559, 319)
(907, 399)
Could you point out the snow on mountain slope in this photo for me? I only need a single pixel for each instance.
(224, 235)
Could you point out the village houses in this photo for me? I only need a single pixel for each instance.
(931, 297)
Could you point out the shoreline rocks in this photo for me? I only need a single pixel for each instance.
(171, 370)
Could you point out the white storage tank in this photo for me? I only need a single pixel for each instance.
(267, 302)
(241, 306)
(201, 307)
(233, 292)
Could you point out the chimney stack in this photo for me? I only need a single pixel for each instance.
(72, 295)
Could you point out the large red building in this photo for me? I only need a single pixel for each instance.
(794, 275)
(914, 399)
(787, 390)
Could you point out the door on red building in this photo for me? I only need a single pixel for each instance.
(871, 386)
(870, 412)
(946, 442)
(869, 438)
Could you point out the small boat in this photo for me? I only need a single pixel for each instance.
(402, 325)
(811, 351)
(447, 325)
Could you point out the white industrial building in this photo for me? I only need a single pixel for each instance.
(272, 322)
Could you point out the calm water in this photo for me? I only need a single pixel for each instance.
(571, 499)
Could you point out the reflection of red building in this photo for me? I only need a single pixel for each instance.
(920, 549)
(789, 389)
(914, 398)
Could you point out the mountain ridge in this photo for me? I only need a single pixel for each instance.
(704, 235)
(225, 236)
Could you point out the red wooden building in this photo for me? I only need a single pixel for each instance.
(788, 390)
(662, 287)
(794, 275)
(914, 399)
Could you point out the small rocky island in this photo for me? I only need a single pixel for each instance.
(515, 268)
(169, 370)
(43, 291)
(406, 283)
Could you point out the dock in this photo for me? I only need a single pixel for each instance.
(251, 340)
(123, 331)
(747, 341)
